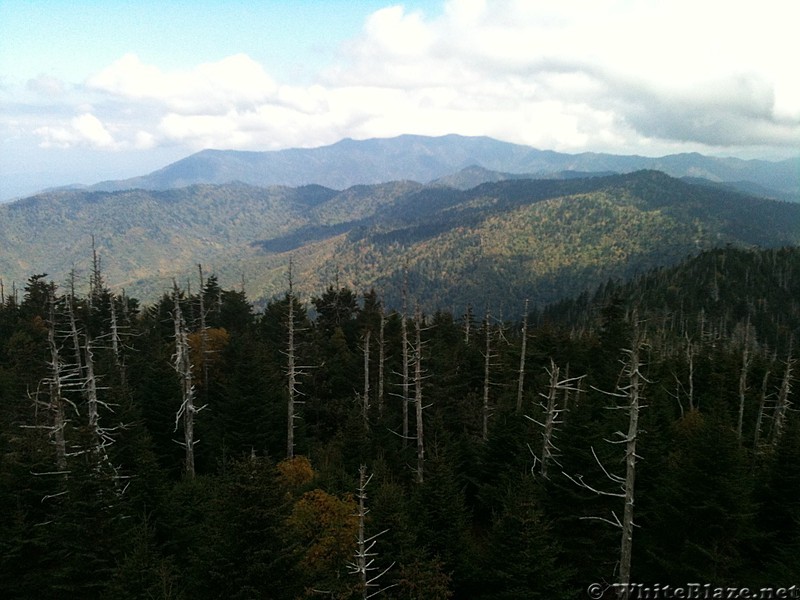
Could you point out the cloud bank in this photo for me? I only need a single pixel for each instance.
(619, 76)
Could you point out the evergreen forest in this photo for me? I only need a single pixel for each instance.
(196, 447)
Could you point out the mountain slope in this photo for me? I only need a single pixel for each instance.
(548, 240)
(748, 295)
(420, 158)
(505, 240)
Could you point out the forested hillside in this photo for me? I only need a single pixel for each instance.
(471, 446)
(500, 242)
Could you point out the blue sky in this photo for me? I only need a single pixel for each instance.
(112, 89)
(70, 39)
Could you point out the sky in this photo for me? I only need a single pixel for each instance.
(111, 89)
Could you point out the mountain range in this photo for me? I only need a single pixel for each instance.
(501, 241)
(424, 159)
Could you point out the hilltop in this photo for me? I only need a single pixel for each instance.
(424, 159)
(505, 240)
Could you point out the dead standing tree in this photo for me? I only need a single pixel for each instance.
(58, 380)
(418, 394)
(742, 389)
(365, 405)
(523, 350)
(381, 361)
(631, 394)
(183, 367)
(757, 447)
(293, 370)
(782, 402)
(552, 416)
(405, 354)
(363, 565)
(204, 352)
(487, 363)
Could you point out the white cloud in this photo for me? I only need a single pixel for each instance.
(144, 140)
(609, 75)
(47, 86)
(210, 88)
(83, 130)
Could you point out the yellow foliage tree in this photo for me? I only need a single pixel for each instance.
(206, 354)
(295, 472)
(325, 528)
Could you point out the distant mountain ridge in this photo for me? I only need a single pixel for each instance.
(504, 240)
(425, 159)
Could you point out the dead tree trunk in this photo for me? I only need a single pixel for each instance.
(203, 333)
(742, 390)
(418, 394)
(521, 380)
(381, 361)
(760, 416)
(632, 394)
(633, 391)
(116, 341)
(552, 416)
(406, 380)
(73, 327)
(91, 392)
(365, 399)
(690, 361)
(183, 366)
(467, 323)
(56, 404)
(487, 357)
(101, 436)
(363, 566)
(782, 403)
(291, 370)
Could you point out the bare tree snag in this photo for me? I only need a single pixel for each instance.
(203, 332)
(486, 362)
(96, 283)
(364, 563)
(633, 390)
(418, 394)
(521, 380)
(760, 416)
(101, 437)
(742, 389)
(552, 416)
(291, 369)
(406, 382)
(183, 366)
(782, 403)
(91, 391)
(690, 362)
(365, 399)
(116, 339)
(381, 361)
(73, 327)
(56, 404)
(631, 393)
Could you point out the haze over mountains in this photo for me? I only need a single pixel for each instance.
(423, 159)
(481, 229)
